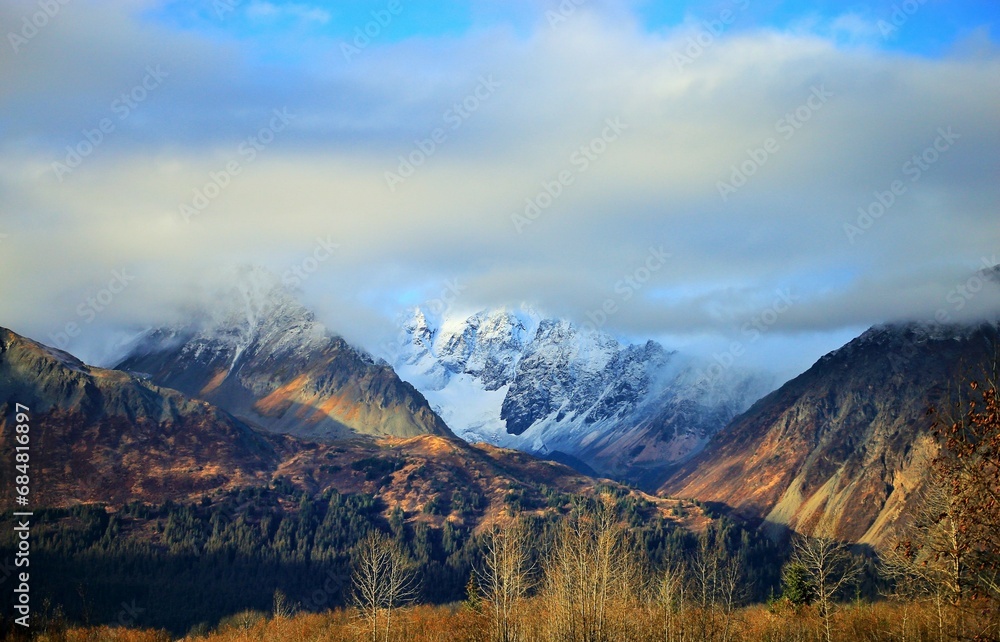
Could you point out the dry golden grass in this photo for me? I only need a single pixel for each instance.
(862, 622)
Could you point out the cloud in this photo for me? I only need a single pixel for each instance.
(268, 11)
(500, 127)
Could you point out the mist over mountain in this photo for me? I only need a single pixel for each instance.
(845, 450)
(260, 354)
(517, 379)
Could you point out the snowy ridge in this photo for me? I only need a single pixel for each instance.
(251, 308)
(258, 353)
(515, 379)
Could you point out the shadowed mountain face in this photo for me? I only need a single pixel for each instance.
(842, 449)
(191, 506)
(103, 434)
(109, 437)
(262, 356)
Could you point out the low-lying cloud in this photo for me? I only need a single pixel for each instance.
(811, 216)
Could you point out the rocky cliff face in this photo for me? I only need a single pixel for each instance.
(259, 354)
(545, 386)
(109, 437)
(842, 449)
(104, 435)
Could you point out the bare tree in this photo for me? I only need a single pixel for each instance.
(704, 575)
(926, 563)
(281, 608)
(669, 596)
(506, 578)
(969, 466)
(591, 574)
(832, 568)
(717, 583)
(383, 580)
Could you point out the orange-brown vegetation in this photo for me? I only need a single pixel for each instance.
(884, 621)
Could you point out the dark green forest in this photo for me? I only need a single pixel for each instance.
(187, 566)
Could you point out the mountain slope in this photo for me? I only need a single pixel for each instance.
(199, 516)
(259, 354)
(548, 387)
(110, 437)
(104, 434)
(842, 449)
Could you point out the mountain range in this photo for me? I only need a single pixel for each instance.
(253, 387)
(108, 436)
(547, 386)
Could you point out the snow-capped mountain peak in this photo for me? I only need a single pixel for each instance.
(516, 379)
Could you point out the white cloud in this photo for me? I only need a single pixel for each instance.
(655, 185)
(268, 11)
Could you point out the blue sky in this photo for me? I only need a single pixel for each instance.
(930, 27)
(553, 150)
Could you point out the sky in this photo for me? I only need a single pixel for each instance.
(758, 178)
